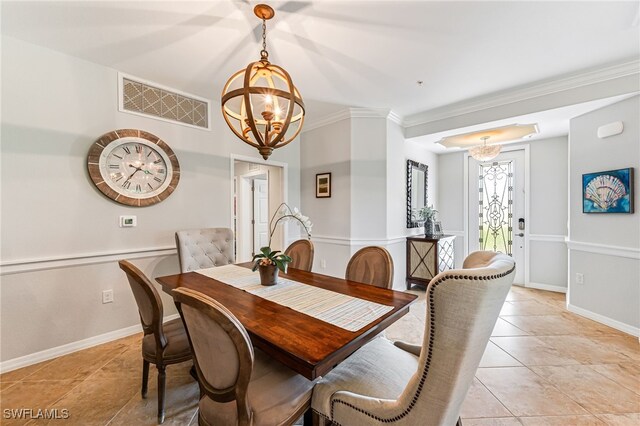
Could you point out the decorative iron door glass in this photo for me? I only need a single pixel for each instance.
(608, 192)
(496, 204)
(323, 185)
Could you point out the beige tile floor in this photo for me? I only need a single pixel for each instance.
(543, 366)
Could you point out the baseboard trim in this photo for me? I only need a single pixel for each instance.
(47, 354)
(547, 287)
(626, 328)
(41, 264)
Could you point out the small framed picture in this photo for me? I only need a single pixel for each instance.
(323, 185)
(437, 228)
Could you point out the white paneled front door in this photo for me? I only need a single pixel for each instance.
(260, 214)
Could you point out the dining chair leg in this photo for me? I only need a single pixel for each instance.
(161, 388)
(316, 419)
(307, 419)
(145, 378)
(459, 422)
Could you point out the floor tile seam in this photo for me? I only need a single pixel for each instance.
(121, 408)
(562, 392)
(45, 363)
(637, 392)
(86, 379)
(537, 365)
(495, 396)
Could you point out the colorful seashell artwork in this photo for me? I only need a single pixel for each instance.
(608, 192)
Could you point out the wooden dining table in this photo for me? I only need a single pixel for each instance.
(305, 344)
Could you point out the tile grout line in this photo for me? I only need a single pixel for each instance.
(497, 399)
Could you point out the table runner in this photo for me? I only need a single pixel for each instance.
(344, 311)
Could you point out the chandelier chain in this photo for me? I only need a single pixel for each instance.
(264, 52)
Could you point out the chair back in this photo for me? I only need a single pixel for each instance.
(301, 252)
(148, 301)
(462, 309)
(222, 350)
(371, 265)
(204, 248)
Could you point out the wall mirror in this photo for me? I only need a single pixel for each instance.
(416, 191)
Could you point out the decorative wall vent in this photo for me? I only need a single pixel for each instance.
(152, 100)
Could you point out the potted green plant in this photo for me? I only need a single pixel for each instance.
(428, 214)
(268, 262)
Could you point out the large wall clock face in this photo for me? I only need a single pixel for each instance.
(133, 167)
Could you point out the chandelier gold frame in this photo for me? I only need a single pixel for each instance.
(265, 130)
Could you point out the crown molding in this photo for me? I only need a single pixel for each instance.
(540, 88)
(353, 113)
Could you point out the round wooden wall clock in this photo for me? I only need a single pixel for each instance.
(133, 167)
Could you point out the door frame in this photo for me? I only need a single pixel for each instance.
(254, 160)
(527, 204)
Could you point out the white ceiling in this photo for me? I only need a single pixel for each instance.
(356, 53)
(551, 123)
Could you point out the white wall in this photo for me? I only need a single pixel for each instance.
(370, 199)
(328, 149)
(399, 151)
(54, 107)
(548, 208)
(605, 248)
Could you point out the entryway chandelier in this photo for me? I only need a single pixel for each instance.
(260, 103)
(485, 152)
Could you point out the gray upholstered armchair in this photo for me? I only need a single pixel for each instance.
(204, 248)
(402, 384)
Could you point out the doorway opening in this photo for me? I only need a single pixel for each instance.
(258, 191)
(497, 206)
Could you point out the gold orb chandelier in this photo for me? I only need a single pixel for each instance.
(260, 103)
(485, 152)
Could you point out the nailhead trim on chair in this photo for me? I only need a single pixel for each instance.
(425, 372)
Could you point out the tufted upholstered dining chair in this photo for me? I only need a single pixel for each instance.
(371, 265)
(239, 385)
(386, 383)
(204, 248)
(301, 252)
(162, 344)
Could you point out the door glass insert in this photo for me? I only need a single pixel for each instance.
(496, 206)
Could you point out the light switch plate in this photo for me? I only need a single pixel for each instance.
(128, 221)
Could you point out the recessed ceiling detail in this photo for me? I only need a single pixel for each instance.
(499, 134)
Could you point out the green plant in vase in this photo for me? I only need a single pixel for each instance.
(269, 262)
(428, 214)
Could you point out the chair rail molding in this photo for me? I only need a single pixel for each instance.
(609, 250)
(56, 262)
(548, 238)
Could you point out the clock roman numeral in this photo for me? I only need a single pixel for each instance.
(114, 166)
(126, 149)
(116, 155)
(138, 149)
(157, 179)
(120, 177)
(126, 184)
(150, 187)
(150, 152)
(138, 188)
(158, 161)
(162, 171)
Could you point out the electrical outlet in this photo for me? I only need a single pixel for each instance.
(107, 296)
(579, 278)
(323, 263)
